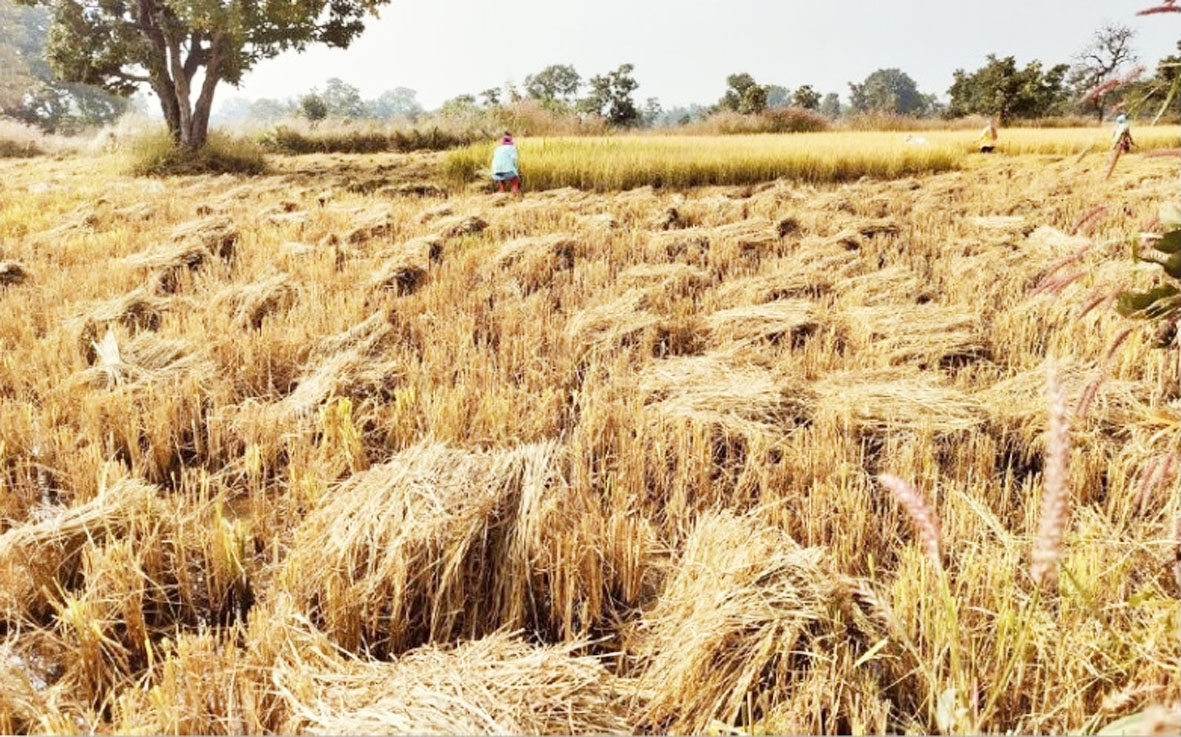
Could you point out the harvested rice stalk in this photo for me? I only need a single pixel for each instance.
(730, 626)
(495, 685)
(249, 304)
(612, 322)
(892, 401)
(146, 358)
(421, 548)
(36, 557)
(743, 400)
(928, 334)
(216, 235)
(534, 261)
(790, 320)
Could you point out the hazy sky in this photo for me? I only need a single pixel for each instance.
(683, 49)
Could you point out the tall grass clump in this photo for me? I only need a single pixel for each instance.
(628, 162)
(156, 154)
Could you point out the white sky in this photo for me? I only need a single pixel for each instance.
(683, 49)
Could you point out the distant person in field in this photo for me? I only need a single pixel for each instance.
(988, 138)
(1121, 137)
(505, 166)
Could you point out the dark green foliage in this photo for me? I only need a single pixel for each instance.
(611, 97)
(889, 91)
(743, 95)
(831, 106)
(807, 98)
(555, 83)
(343, 100)
(1001, 89)
(313, 107)
(122, 45)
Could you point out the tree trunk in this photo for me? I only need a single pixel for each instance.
(168, 106)
(199, 121)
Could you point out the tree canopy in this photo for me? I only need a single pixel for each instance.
(743, 95)
(120, 45)
(611, 96)
(557, 82)
(888, 91)
(1003, 90)
(29, 90)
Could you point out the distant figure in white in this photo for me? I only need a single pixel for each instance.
(913, 140)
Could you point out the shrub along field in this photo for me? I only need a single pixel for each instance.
(625, 162)
(336, 449)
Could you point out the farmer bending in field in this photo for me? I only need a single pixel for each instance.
(1121, 138)
(988, 138)
(505, 167)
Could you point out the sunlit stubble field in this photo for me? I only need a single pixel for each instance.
(310, 453)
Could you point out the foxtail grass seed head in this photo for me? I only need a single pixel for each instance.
(1047, 547)
(923, 517)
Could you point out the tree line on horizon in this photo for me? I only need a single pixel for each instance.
(38, 55)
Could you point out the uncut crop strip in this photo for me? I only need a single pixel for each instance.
(690, 161)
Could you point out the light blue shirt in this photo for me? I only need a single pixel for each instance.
(504, 161)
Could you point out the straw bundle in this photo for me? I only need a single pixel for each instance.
(36, 557)
(742, 400)
(421, 548)
(671, 279)
(495, 685)
(216, 235)
(890, 401)
(611, 323)
(730, 625)
(249, 304)
(928, 334)
(786, 320)
(460, 226)
(145, 359)
(534, 260)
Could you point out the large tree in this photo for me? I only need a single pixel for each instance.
(555, 83)
(888, 91)
(807, 97)
(743, 95)
(1001, 89)
(165, 44)
(611, 96)
(1101, 63)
